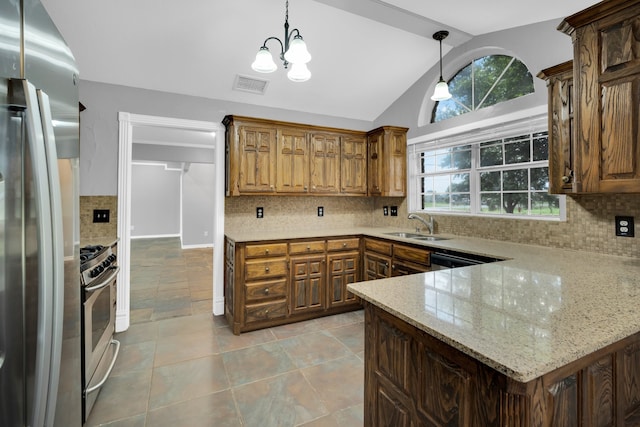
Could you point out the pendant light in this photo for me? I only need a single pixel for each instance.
(441, 91)
(293, 51)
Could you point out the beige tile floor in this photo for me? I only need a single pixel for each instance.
(181, 366)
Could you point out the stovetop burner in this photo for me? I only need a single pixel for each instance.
(89, 252)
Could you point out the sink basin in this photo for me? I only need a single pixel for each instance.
(415, 236)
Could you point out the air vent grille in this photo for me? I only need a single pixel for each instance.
(250, 84)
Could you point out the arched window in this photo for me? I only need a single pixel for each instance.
(484, 82)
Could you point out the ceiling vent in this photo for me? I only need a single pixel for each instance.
(250, 84)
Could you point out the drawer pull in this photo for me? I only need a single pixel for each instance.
(266, 269)
(266, 251)
(344, 245)
(266, 291)
(308, 247)
(266, 312)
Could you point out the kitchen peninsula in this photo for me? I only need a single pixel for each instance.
(548, 338)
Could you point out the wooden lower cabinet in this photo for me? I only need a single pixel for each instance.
(273, 283)
(383, 258)
(413, 379)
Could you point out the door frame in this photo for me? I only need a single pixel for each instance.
(126, 123)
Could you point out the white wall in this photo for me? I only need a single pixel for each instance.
(155, 200)
(198, 185)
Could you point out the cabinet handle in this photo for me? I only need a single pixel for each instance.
(386, 264)
(393, 266)
(566, 179)
(344, 245)
(308, 248)
(266, 312)
(266, 251)
(266, 269)
(305, 187)
(266, 291)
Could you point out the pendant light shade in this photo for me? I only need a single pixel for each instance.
(297, 52)
(441, 91)
(264, 61)
(299, 72)
(292, 52)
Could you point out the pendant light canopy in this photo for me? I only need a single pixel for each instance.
(293, 51)
(441, 91)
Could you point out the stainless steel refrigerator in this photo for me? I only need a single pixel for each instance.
(40, 373)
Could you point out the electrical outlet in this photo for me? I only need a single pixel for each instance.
(385, 210)
(101, 215)
(320, 211)
(394, 211)
(625, 226)
(260, 212)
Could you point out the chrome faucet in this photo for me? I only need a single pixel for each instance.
(429, 223)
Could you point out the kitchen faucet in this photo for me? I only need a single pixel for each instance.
(429, 223)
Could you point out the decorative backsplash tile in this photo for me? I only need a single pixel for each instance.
(94, 233)
(589, 225)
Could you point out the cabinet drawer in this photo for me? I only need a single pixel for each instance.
(264, 268)
(266, 249)
(306, 247)
(265, 311)
(378, 246)
(417, 255)
(343, 244)
(268, 289)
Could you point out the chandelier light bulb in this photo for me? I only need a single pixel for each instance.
(297, 52)
(299, 72)
(441, 92)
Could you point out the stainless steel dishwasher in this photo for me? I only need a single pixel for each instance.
(443, 259)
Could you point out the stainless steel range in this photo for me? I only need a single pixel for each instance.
(98, 271)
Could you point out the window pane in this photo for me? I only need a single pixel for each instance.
(427, 201)
(540, 146)
(545, 204)
(428, 163)
(490, 203)
(441, 184)
(462, 159)
(515, 203)
(442, 201)
(515, 180)
(443, 161)
(460, 87)
(490, 181)
(491, 155)
(540, 178)
(461, 202)
(517, 152)
(460, 183)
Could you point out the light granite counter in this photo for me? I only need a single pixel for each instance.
(538, 310)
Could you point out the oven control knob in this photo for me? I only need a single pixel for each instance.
(105, 263)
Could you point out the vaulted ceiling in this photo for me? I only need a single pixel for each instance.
(365, 53)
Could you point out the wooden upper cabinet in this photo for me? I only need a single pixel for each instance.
(606, 39)
(281, 158)
(325, 163)
(561, 128)
(292, 174)
(387, 161)
(353, 163)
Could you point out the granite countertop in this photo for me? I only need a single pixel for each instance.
(538, 310)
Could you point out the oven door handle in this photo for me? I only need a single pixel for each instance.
(105, 282)
(113, 362)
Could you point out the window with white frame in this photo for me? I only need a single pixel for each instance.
(502, 171)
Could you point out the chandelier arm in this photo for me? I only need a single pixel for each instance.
(274, 38)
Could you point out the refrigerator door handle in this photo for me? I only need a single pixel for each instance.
(25, 94)
(57, 252)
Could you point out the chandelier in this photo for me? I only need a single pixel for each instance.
(292, 52)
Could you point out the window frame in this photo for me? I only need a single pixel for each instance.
(530, 125)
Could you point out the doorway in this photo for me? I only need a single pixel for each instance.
(127, 123)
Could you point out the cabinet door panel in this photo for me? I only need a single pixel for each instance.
(307, 283)
(324, 164)
(257, 159)
(342, 269)
(292, 174)
(353, 162)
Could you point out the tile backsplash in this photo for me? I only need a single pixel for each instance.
(98, 233)
(589, 225)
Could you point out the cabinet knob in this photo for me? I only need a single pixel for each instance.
(565, 179)
(344, 245)
(305, 187)
(308, 248)
(266, 291)
(266, 269)
(393, 266)
(266, 251)
(266, 312)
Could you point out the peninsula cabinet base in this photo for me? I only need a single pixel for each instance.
(413, 379)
